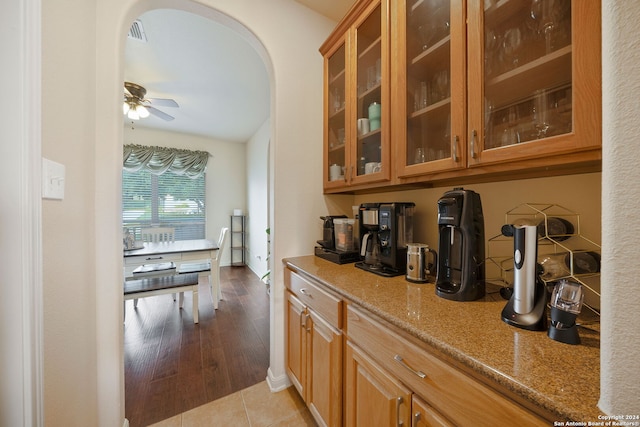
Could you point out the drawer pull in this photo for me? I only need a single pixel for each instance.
(304, 291)
(151, 258)
(401, 361)
(398, 403)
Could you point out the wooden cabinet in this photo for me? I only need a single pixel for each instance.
(356, 99)
(429, 119)
(373, 397)
(314, 348)
(443, 393)
(476, 89)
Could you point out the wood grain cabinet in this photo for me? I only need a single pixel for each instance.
(433, 391)
(314, 348)
(476, 89)
(356, 99)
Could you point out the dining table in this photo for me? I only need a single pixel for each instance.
(178, 252)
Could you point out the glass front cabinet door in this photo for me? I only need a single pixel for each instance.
(429, 117)
(534, 81)
(335, 117)
(357, 109)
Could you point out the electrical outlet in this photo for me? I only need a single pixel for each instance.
(52, 180)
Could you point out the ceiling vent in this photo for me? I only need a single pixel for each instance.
(136, 31)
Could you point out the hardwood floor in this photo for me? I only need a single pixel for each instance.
(173, 365)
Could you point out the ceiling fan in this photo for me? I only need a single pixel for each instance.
(136, 106)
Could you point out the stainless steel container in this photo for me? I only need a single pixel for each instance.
(418, 268)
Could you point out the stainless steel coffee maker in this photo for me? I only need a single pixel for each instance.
(461, 268)
(385, 230)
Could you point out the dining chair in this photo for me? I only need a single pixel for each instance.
(210, 269)
(158, 234)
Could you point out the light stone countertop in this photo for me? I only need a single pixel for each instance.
(562, 379)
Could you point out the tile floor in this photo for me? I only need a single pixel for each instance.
(255, 406)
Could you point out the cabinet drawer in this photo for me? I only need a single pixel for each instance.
(324, 303)
(459, 397)
(151, 259)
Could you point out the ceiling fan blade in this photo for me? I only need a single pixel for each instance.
(160, 114)
(162, 102)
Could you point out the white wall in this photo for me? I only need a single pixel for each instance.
(257, 199)
(620, 338)
(226, 176)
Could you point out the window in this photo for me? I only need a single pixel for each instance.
(166, 200)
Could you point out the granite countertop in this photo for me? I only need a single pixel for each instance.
(562, 379)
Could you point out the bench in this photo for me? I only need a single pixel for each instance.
(147, 287)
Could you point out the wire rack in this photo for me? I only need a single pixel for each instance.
(570, 243)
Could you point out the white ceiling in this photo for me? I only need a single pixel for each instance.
(218, 80)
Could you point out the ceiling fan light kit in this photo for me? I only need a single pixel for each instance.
(136, 106)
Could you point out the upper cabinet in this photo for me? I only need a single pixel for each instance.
(534, 80)
(493, 89)
(356, 99)
(429, 118)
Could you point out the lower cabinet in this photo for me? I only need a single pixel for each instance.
(442, 394)
(372, 396)
(314, 352)
(368, 373)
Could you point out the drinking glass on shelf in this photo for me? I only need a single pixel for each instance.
(442, 84)
(420, 156)
(511, 45)
(540, 113)
(337, 99)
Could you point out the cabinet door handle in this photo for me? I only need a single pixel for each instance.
(398, 403)
(401, 361)
(474, 135)
(304, 291)
(456, 140)
(303, 319)
(416, 417)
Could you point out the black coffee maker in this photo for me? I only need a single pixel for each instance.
(328, 249)
(385, 230)
(461, 268)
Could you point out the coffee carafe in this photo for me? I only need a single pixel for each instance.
(461, 268)
(526, 308)
(385, 230)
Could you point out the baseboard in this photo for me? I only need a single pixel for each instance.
(277, 383)
(125, 423)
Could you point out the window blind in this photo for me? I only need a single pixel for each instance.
(166, 200)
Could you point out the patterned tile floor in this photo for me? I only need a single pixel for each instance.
(255, 406)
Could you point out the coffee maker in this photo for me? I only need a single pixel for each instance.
(461, 268)
(329, 249)
(385, 230)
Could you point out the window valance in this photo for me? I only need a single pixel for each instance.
(159, 160)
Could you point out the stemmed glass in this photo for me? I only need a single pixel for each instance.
(548, 14)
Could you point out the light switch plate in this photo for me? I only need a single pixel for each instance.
(52, 180)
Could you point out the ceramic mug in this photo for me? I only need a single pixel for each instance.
(371, 167)
(334, 172)
(363, 126)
